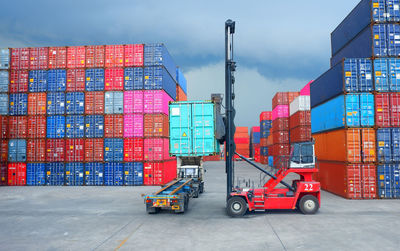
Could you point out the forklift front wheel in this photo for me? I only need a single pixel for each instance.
(236, 206)
(309, 204)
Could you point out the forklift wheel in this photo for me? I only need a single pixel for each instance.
(236, 207)
(308, 204)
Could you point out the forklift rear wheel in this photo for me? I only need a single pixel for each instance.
(309, 204)
(236, 207)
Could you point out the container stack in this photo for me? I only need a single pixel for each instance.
(242, 141)
(255, 143)
(354, 105)
(280, 125)
(265, 127)
(300, 117)
(91, 115)
(4, 76)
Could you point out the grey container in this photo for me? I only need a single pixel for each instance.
(4, 58)
(114, 103)
(3, 104)
(4, 81)
(17, 150)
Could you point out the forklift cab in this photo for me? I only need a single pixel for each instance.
(303, 155)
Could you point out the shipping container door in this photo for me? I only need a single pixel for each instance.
(381, 75)
(392, 10)
(395, 139)
(394, 109)
(352, 110)
(118, 174)
(180, 129)
(18, 81)
(95, 79)
(203, 128)
(128, 174)
(99, 174)
(350, 75)
(382, 109)
(394, 74)
(56, 80)
(384, 181)
(364, 67)
(148, 174)
(380, 40)
(396, 181)
(109, 174)
(37, 81)
(384, 145)
(393, 31)
(4, 81)
(75, 80)
(367, 106)
(138, 174)
(75, 102)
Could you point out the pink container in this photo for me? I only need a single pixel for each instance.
(281, 111)
(133, 125)
(306, 89)
(156, 149)
(133, 102)
(156, 101)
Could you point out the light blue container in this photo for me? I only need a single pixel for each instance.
(271, 161)
(4, 58)
(394, 74)
(3, 104)
(181, 80)
(381, 75)
(17, 150)
(192, 128)
(114, 103)
(4, 76)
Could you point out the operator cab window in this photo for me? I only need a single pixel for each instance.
(303, 154)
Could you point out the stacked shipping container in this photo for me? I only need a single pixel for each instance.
(300, 117)
(255, 143)
(242, 141)
(265, 127)
(94, 115)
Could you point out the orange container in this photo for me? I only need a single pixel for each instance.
(180, 95)
(342, 145)
(263, 142)
(270, 140)
(242, 129)
(241, 135)
(156, 125)
(368, 145)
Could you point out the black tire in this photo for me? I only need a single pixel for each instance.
(196, 193)
(201, 188)
(186, 205)
(236, 207)
(152, 210)
(308, 204)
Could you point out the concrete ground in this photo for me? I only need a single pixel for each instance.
(107, 218)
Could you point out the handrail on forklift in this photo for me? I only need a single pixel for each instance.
(266, 172)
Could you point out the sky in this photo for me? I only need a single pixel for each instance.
(279, 45)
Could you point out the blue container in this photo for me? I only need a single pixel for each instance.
(372, 42)
(36, 174)
(55, 103)
(180, 78)
(94, 174)
(367, 110)
(351, 75)
(4, 81)
(133, 174)
(55, 127)
(95, 80)
(56, 80)
(74, 174)
(114, 103)
(192, 129)
(384, 145)
(381, 75)
(393, 31)
(395, 144)
(157, 78)
(264, 151)
(18, 104)
(256, 137)
(265, 125)
(4, 58)
(393, 10)
(271, 161)
(4, 104)
(158, 55)
(394, 74)
(388, 181)
(113, 174)
(113, 149)
(37, 81)
(360, 17)
(75, 103)
(55, 174)
(75, 126)
(94, 125)
(17, 150)
(133, 78)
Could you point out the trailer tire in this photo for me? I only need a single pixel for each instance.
(308, 204)
(196, 193)
(201, 189)
(236, 206)
(152, 210)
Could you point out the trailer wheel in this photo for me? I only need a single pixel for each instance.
(308, 204)
(201, 188)
(186, 204)
(152, 210)
(236, 206)
(196, 193)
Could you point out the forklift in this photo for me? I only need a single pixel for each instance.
(303, 194)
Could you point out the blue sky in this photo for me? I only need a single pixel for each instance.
(279, 45)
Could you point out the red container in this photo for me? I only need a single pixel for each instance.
(300, 134)
(76, 57)
(113, 126)
(133, 54)
(264, 160)
(395, 109)
(156, 149)
(38, 58)
(94, 102)
(211, 158)
(280, 124)
(265, 116)
(75, 80)
(300, 118)
(36, 150)
(57, 57)
(37, 103)
(156, 125)
(3, 174)
(382, 109)
(292, 96)
(369, 185)
(159, 173)
(18, 81)
(95, 56)
(3, 127)
(114, 56)
(36, 126)
(19, 59)
(114, 79)
(74, 150)
(133, 149)
(16, 174)
(264, 142)
(17, 127)
(55, 150)
(281, 150)
(281, 137)
(242, 141)
(94, 150)
(3, 150)
(280, 98)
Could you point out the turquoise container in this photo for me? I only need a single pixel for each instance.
(192, 128)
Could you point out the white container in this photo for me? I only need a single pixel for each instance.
(301, 103)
